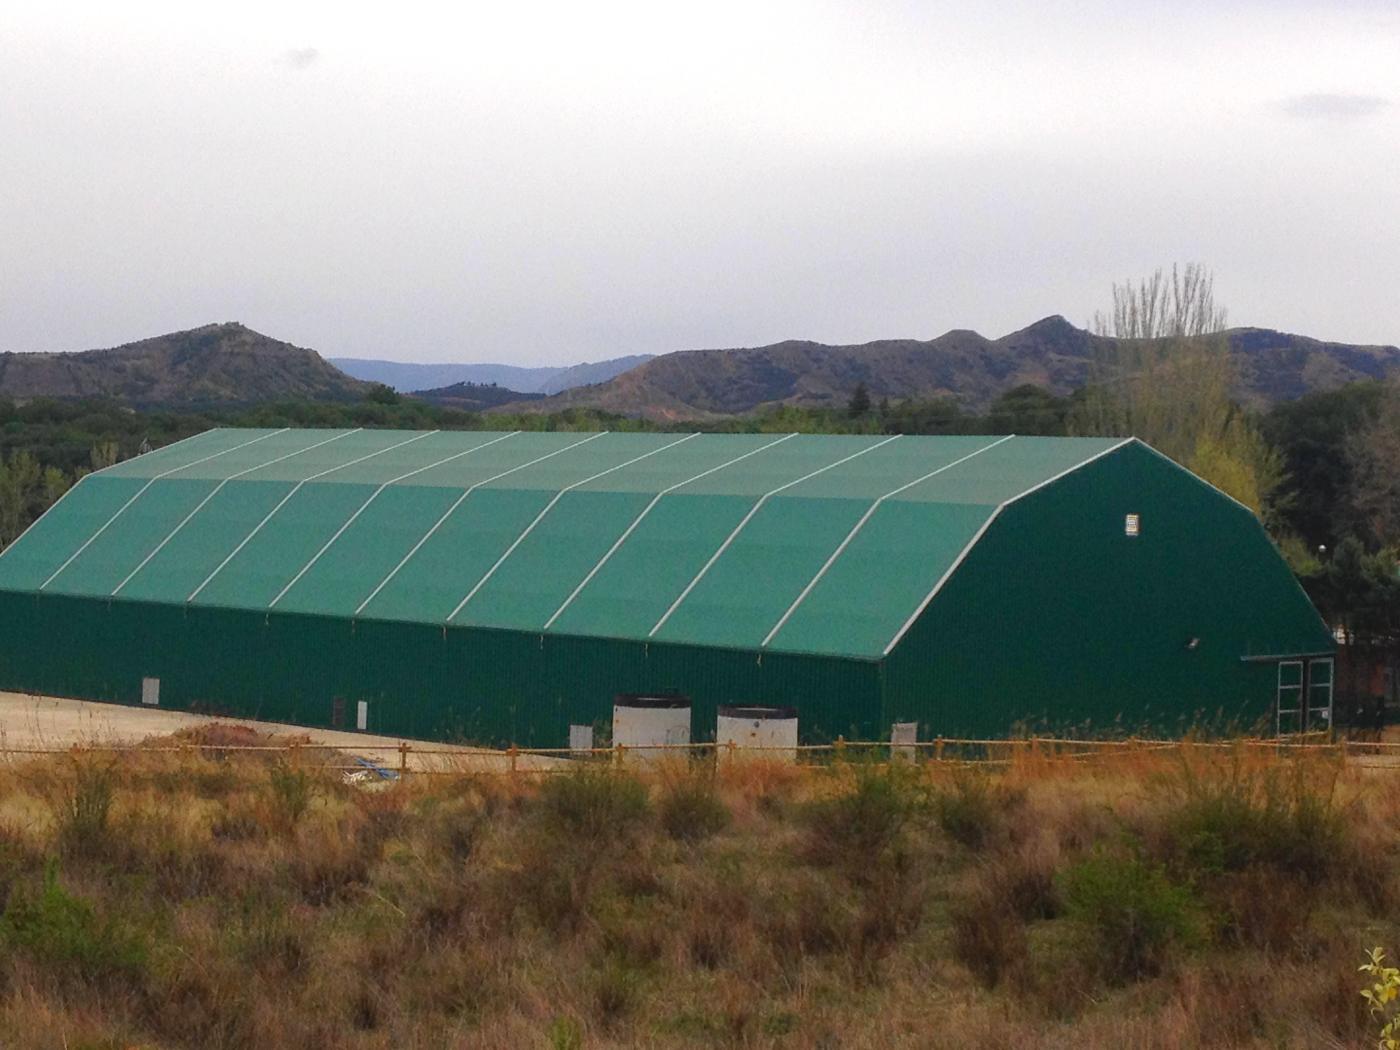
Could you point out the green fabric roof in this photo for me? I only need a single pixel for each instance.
(805, 543)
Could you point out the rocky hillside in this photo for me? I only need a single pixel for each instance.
(1052, 353)
(217, 364)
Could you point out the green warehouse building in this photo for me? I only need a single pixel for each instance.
(500, 587)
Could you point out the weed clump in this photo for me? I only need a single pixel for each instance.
(690, 808)
(972, 808)
(292, 790)
(595, 802)
(1231, 819)
(84, 811)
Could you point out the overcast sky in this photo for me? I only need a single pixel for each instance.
(552, 182)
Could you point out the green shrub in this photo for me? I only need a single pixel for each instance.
(691, 810)
(1134, 916)
(864, 827)
(594, 802)
(60, 930)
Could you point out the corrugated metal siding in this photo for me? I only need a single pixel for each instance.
(1058, 618)
(487, 686)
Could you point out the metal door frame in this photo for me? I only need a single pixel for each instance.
(1301, 696)
(1310, 685)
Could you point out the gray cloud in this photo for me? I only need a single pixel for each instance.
(301, 57)
(1326, 105)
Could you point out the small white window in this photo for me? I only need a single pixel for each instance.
(150, 691)
(1132, 525)
(362, 715)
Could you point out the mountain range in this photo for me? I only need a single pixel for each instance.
(230, 364)
(963, 365)
(407, 377)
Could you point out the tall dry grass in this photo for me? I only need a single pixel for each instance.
(1197, 897)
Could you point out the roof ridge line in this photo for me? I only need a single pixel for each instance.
(647, 510)
(283, 502)
(214, 492)
(151, 481)
(748, 517)
(457, 503)
(550, 506)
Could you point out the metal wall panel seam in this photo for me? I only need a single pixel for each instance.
(375, 495)
(861, 524)
(282, 503)
(550, 506)
(977, 536)
(214, 492)
(745, 520)
(94, 474)
(647, 510)
(457, 503)
(173, 470)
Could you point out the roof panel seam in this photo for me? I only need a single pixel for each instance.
(977, 536)
(869, 513)
(279, 505)
(747, 518)
(120, 510)
(214, 492)
(457, 503)
(647, 510)
(550, 506)
(373, 496)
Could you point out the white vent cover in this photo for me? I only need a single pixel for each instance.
(150, 691)
(362, 715)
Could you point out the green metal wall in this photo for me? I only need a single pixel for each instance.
(487, 686)
(1058, 619)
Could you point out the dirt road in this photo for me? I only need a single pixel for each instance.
(48, 722)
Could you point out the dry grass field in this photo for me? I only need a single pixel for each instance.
(1202, 898)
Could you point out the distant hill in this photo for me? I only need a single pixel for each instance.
(217, 364)
(407, 377)
(473, 397)
(974, 370)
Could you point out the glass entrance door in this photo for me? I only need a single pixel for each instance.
(1290, 697)
(1319, 712)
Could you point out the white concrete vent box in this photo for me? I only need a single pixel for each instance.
(644, 723)
(769, 732)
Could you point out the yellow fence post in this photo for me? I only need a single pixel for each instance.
(403, 758)
(938, 749)
(514, 753)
